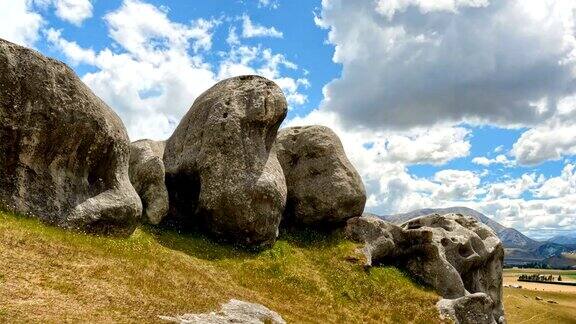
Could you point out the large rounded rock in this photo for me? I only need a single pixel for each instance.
(455, 254)
(63, 152)
(323, 186)
(147, 177)
(221, 171)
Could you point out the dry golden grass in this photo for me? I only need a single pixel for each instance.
(521, 305)
(52, 276)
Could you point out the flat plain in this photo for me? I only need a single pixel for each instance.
(557, 303)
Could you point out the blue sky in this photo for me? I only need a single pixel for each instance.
(438, 102)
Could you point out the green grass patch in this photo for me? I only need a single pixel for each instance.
(51, 275)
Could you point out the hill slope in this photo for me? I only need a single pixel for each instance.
(49, 275)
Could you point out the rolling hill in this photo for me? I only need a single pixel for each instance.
(569, 240)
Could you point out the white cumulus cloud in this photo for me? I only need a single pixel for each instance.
(545, 143)
(250, 29)
(272, 4)
(499, 159)
(560, 186)
(19, 23)
(73, 11)
(414, 62)
(157, 67)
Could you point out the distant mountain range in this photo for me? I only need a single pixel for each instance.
(520, 249)
(564, 239)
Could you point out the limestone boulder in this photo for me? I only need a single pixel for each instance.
(221, 170)
(324, 189)
(471, 309)
(63, 152)
(147, 177)
(235, 311)
(455, 254)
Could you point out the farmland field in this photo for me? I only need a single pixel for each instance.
(557, 304)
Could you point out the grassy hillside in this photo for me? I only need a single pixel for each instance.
(50, 275)
(522, 307)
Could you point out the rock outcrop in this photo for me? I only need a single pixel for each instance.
(323, 187)
(63, 153)
(235, 311)
(221, 171)
(147, 177)
(455, 254)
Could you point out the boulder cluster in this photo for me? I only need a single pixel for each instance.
(227, 170)
(65, 157)
(458, 256)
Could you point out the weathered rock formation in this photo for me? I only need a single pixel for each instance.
(63, 153)
(235, 311)
(455, 254)
(147, 177)
(221, 171)
(323, 186)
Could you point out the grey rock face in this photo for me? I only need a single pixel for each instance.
(147, 177)
(473, 309)
(63, 152)
(455, 254)
(235, 311)
(221, 171)
(323, 186)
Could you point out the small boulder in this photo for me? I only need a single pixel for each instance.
(470, 309)
(63, 152)
(147, 177)
(323, 186)
(454, 254)
(221, 170)
(235, 311)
